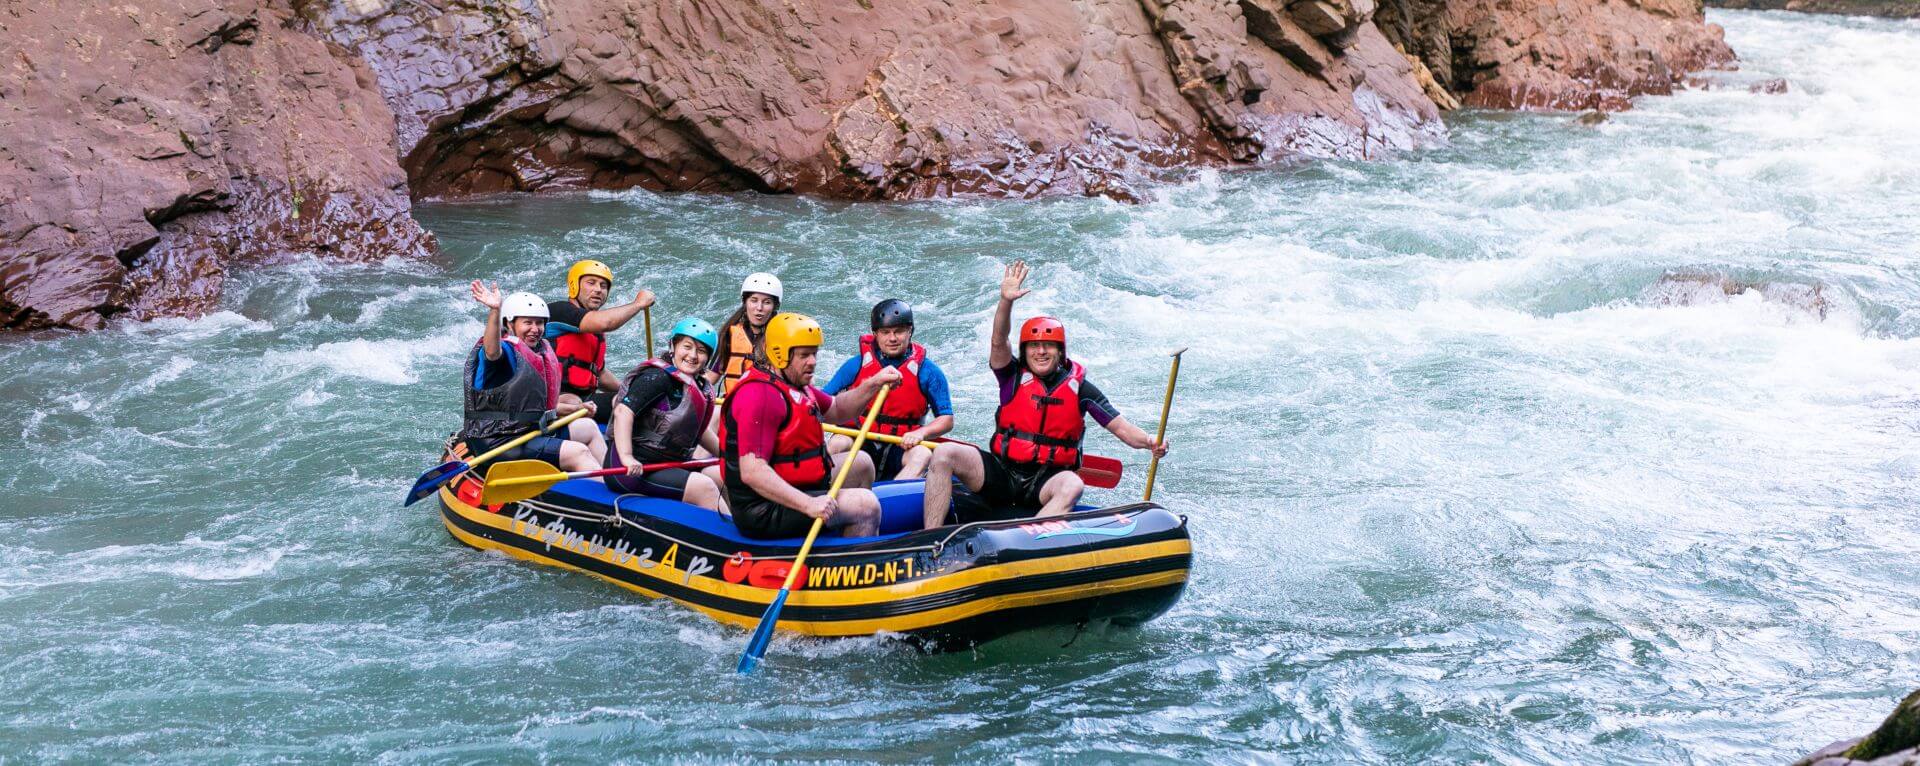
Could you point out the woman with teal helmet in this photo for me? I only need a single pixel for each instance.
(662, 414)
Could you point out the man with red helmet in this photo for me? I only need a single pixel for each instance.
(1045, 399)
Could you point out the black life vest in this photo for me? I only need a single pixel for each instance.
(662, 435)
(516, 406)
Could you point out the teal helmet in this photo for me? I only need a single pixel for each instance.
(697, 329)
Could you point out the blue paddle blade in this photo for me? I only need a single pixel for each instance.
(557, 329)
(433, 478)
(757, 645)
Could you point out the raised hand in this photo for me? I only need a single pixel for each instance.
(486, 295)
(1011, 283)
(644, 298)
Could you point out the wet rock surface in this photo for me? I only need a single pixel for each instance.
(1895, 743)
(150, 148)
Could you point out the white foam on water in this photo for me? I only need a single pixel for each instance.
(389, 361)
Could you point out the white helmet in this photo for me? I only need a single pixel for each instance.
(523, 305)
(762, 282)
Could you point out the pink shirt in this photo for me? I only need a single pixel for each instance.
(757, 411)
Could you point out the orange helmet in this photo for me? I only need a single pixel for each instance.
(1044, 329)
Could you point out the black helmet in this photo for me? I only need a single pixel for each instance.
(892, 312)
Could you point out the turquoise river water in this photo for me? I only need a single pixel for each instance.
(1561, 443)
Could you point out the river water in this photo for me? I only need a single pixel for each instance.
(1563, 443)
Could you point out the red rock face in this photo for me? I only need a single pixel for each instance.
(149, 147)
(1570, 55)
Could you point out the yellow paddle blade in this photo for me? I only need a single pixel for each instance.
(517, 480)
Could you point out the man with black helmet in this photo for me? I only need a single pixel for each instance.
(1045, 400)
(922, 391)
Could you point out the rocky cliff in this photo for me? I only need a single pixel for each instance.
(149, 147)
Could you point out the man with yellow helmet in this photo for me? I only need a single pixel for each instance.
(582, 343)
(775, 466)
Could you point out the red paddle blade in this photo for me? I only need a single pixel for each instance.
(1100, 472)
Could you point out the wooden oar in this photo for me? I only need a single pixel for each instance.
(444, 472)
(1097, 471)
(1166, 409)
(757, 644)
(517, 480)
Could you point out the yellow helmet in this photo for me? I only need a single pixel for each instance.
(786, 331)
(586, 269)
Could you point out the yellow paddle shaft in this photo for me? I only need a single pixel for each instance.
(524, 438)
(888, 438)
(1166, 409)
(859, 440)
(647, 314)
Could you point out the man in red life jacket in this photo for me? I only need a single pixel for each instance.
(1044, 400)
(582, 349)
(775, 465)
(512, 385)
(922, 392)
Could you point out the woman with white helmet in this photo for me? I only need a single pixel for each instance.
(513, 382)
(760, 296)
(661, 414)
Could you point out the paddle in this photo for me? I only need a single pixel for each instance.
(647, 314)
(444, 472)
(1097, 471)
(1166, 409)
(757, 644)
(517, 480)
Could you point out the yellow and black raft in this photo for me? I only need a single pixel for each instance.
(943, 589)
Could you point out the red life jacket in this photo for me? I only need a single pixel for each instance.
(582, 356)
(1041, 426)
(906, 407)
(799, 448)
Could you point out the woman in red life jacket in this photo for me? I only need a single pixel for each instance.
(922, 392)
(512, 384)
(1044, 401)
(775, 464)
(661, 415)
(582, 347)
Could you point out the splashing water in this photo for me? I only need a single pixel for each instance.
(1563, 443)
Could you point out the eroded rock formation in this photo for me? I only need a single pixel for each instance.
(1555, 54)
(146, 148)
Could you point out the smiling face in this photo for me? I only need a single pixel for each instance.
(593, 292)
(893, 341)
(1042, 357)
(760, 308)
(528, 329)
(800, 364)
(690, 356)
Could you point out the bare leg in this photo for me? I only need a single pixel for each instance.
(914, 463)
(574, 456)
(862, 474)
(701, 491)
(950, 461)
(712, 473)
(859, 514)
(588, 434)
(838, 445)
(1059, 494)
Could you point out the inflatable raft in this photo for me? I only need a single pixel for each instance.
(942, 589)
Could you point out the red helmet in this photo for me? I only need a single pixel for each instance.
(1044, 329)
